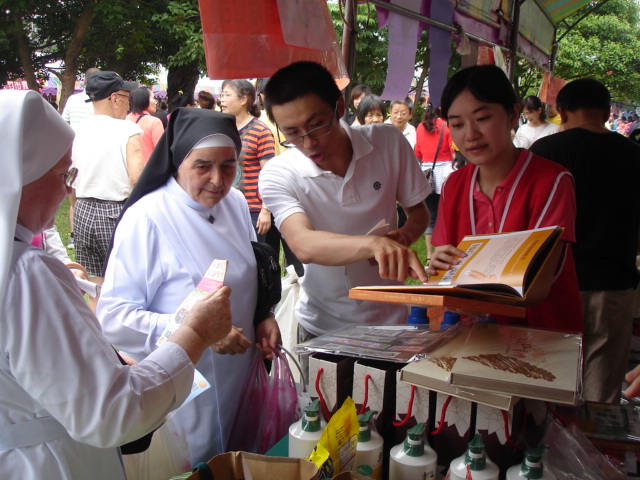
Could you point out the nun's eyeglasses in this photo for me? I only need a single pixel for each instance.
(69, 177)
(313, 133)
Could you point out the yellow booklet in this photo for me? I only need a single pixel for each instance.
(516, 268)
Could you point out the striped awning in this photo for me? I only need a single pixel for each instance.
(558, 10)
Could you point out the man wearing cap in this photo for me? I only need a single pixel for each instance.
(108, 155)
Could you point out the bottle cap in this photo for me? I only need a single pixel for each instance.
(365, 428)
(449, 320)
(418, 316)
(532, 464)
(413, 444)
(487, 318)
(475, 456)
(311, 418)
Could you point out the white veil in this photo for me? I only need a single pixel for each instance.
(33, 138)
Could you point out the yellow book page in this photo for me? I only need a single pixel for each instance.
(501, 258)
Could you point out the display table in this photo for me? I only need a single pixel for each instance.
(451, 303)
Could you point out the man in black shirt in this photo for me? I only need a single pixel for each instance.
(606, 169)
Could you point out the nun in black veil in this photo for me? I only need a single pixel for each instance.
(182, 214)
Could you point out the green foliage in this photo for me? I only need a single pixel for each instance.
(603, 46)
(181, 23)
(371, 45)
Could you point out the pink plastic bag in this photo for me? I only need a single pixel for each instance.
(246, 425)
(279, 410)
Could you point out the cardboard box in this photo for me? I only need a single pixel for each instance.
(229, 466)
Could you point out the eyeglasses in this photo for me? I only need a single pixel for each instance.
(313, 133)
(69, 177)
(229, 95)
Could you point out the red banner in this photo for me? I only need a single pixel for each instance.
(550, 87)
(244, 38)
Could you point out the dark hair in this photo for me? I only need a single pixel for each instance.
(206, 100)
(406, 102)
(487, 83)
(244, 88)
(583, 93)
(369, 104)
(359, 90)
(260, 84)
(534, 103)
(140, 99)
(429, 118)
(299, 80)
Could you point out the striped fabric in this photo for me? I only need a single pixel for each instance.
(257, 145)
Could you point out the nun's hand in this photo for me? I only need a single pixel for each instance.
(233, 343)
(268, 336)
(263, 224)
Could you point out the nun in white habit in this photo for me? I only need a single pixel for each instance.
(182, 214)
(66, 402)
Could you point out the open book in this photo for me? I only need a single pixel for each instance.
(513, 268)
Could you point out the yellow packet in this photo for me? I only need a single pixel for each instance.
(336, 449)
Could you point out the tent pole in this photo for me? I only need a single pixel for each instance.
(349, 36)
(515, 32)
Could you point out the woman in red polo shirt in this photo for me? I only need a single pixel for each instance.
(503, 188)
(143, 104)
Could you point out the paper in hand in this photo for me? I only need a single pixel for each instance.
(213, 279)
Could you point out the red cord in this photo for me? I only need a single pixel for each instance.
(367, 377)
(507, 433)
(469, 474)
(555, 414)
(323, 404)
(409, 409)
(442, 415)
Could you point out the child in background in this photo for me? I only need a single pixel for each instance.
(503, 188)
(371, 110)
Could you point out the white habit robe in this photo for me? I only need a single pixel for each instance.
(66, 402)
(162, 248)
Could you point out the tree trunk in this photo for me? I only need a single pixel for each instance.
(71, 59)
(182, 79)
(417, 112)
(24, 53)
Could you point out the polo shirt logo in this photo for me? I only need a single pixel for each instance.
(377, 185)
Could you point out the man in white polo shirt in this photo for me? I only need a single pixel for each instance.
(329, 190)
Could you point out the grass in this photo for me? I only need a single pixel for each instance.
(64, 227)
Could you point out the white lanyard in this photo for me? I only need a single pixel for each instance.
(472, 187)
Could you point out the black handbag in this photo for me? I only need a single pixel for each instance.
(269, 280)
(430, 173)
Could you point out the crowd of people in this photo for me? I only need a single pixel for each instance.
(287, 164)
